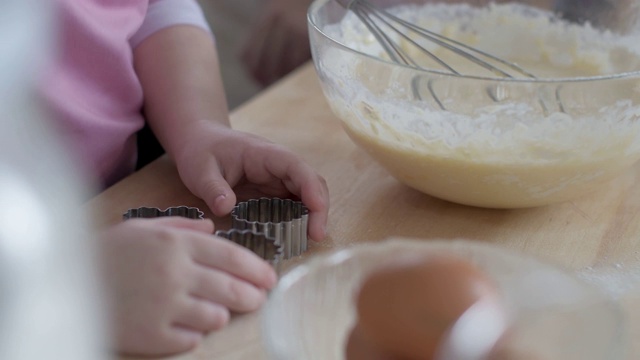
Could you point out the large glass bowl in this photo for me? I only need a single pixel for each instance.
(484, 140)
(551, 314)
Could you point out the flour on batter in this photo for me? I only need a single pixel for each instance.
(527, 149)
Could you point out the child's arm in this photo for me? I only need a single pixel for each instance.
(185, 106)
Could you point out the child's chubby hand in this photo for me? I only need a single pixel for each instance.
(216, 159)
(170, 281)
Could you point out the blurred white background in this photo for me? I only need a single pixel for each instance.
(49, 298)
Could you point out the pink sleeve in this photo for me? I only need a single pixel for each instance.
(164, 13)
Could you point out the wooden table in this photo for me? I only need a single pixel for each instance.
(601, 231)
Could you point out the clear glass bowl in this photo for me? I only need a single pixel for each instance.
(486, 141)
(552, 315)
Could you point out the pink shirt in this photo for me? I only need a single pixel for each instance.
(92, 89)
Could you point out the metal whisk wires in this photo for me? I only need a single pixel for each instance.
(377, 20)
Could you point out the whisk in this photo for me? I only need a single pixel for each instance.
(373, 17)
(377, 20)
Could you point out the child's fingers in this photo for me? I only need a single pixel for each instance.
(203, 225)
(315, 195)
(202, 315)
(240, 262)
(303, 181)
(317, 225)
(162, 340)
(180, 339)
(222, 288)
(216, 192)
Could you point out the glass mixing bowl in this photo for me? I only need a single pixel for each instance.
(488, 141)
(551, 314)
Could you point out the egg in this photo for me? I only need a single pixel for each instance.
(360, 347)
(406, 309)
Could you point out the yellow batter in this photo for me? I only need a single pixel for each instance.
(538, 156)
(490, 184)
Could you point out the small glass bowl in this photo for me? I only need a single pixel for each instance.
(551, 314)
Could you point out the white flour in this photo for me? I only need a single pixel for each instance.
(618, 280)
(477, 125)
(516, 32)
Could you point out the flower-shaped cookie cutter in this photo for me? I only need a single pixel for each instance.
(261, 244)
(153, 212)
(273, 228)
(285, 220)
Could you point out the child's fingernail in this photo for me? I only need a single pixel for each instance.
(219, 199)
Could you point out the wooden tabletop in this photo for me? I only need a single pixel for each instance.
(600, 232)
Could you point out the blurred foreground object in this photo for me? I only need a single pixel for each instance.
(48, 294)
(550, 314)
(406, 309)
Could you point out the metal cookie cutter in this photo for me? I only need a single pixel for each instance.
(284, 220)
(261, 244)
(258, 242)
(152, 212)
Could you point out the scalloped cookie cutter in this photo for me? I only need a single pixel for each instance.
(262, 245)
(153, 212)
(273, 228)
(284, 220)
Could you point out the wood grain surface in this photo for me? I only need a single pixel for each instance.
(600, 231)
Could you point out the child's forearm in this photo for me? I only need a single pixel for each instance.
(179, 71)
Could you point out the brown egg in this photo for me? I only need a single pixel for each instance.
(405, 309)
(360, 347)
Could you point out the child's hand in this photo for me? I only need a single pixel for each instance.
(186, 108)
(217, 158)
(170, 281)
